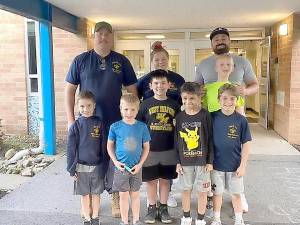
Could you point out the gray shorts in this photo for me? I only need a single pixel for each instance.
(228, 180)
(125, 181)
(195, 175)
(88, 180)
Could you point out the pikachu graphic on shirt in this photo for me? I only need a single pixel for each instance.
(191, 138)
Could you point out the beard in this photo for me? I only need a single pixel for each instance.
(219, 51)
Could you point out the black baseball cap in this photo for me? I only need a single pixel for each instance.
(219, 30)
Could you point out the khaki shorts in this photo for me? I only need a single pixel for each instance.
(125, 181)
(229, 180)
(195, 175)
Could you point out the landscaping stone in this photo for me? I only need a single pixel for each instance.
(10, 153)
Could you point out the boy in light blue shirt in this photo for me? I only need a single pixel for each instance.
(128, 147)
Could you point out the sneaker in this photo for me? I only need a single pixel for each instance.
(241, 222)
(137, 223)
(244, 203)
(216, 222)
(200, 222)
(150, 217)
(95, 221)
(164, 214)
(115, 205)
(186, 221)
(86, 222)
(171, 201)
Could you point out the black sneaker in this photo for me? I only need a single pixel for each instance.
(150, 217)
(86, 222)
(164, 214)
(95, 221)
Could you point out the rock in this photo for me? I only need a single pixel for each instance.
(48, 160)
(27, 172)
(38, 159)
(10, 153)
(37, 169)
(27, 163)
(43, 165)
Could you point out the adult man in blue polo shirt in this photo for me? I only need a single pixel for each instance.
(103, 72)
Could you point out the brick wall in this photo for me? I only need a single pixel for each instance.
(286, 49)
(65, 47)
(13, 100)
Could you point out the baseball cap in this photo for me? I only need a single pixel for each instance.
(103, 25)
(219, 30)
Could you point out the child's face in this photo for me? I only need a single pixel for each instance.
(86, 107)
(224, 66)
(129, 111)
(160, 61)
(227, 102)
(190, 101)
(160, 86)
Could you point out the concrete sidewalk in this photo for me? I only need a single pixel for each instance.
(272, 189)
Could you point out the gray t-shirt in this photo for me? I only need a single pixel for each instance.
(242, 73)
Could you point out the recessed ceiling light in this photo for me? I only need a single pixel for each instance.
(207, 35)
(155, 36)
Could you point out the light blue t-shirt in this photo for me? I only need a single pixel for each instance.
(129, 140)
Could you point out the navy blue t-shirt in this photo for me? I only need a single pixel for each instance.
(229, 133)
(174, 92)
(105, 82)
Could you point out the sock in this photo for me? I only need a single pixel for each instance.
(217, 215)
(238, 216)
(200, 216)
(187, 214)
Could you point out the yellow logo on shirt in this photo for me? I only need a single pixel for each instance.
(96, 132)
(191, 138)
(116, 67)
(232, 132)
(162, 118)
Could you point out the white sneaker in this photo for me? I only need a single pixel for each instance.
(241, 222)
(216, 222)
(171, 201)
(200, 222)
(244, 203)
(186, 221)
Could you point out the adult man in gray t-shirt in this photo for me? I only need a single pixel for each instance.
(242, 74)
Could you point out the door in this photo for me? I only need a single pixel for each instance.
(264, 82)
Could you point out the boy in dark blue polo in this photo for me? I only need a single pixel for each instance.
(86, 143)
(231, 137)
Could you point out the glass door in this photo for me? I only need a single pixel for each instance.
(264, 82)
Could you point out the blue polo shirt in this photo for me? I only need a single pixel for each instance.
(105, 82)
(174, 92)
(229, 134)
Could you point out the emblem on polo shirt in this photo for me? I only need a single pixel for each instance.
(96, 132)
(232, 132)
(116, 67)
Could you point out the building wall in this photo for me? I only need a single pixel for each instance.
(285, 83)
(13, 99)
(65, 47)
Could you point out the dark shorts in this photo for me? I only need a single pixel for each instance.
(125, 181)
(159, 171)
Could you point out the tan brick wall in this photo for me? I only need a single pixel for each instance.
(13, 100)
(65, 47)
(287, 48)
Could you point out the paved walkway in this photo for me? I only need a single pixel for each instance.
(272, 189)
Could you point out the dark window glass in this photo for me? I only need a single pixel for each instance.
(31, 48)
(34, 85)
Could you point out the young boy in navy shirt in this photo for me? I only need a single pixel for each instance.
(128, 148)
(86, 143)
(231, 137)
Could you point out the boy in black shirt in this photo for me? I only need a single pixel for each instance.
(158, 113)
(86, 143)
(193, 141)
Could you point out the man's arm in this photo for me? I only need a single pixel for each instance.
(132, 89)
(70, 91)
(251, 88)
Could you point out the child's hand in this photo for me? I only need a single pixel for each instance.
(208, 167)
(119, 165)
(75, 177)
(241, 171)
(136, 169)
(179, 169)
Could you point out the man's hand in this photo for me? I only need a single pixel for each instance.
(179, 169)
(242, 90)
